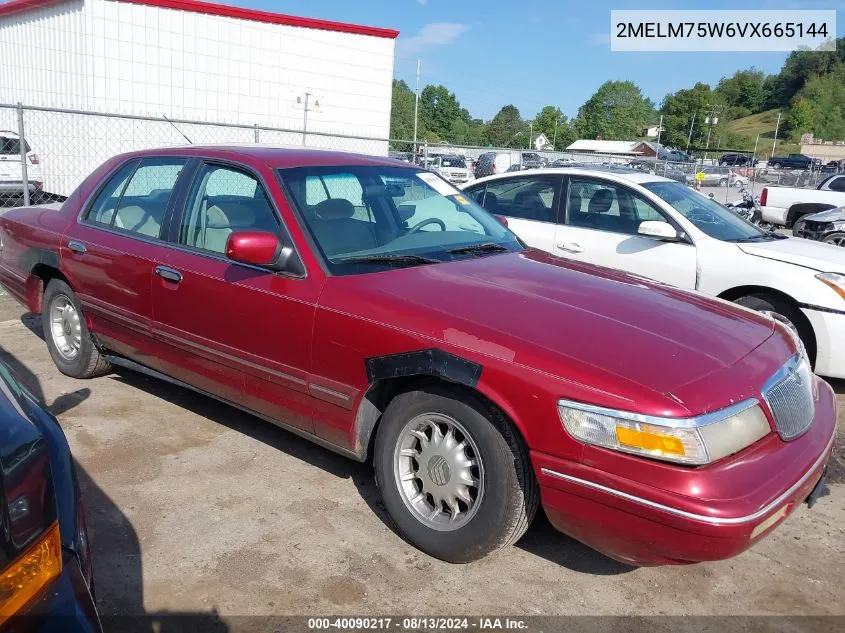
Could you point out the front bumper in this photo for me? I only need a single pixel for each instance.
(642, 524)
(829, 328)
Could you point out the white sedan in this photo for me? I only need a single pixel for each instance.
(662, 229)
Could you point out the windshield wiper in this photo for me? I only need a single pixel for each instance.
(762, 237)
(478, 249)
(399, 260)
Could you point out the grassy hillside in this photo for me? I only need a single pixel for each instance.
(763, 124)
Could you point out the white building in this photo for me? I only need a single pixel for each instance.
(191, 60)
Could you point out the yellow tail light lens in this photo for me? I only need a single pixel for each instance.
(33, 570)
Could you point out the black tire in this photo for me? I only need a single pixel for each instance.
(831, 238)
(510, 496)
(88, 362)
(773, 303)
(723, 182)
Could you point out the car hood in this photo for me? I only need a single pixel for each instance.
(562, 318)
(806, 253)
(831, 215)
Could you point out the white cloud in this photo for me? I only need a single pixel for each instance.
(434, 34)
(422, 2)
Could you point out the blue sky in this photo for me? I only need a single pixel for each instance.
(534, 52)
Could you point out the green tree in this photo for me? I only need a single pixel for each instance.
(743, 90)
(689, 108)
(505, 127)
(439, 109)
(402, 111)
(616, 111)
(553, 123)
(820, 107)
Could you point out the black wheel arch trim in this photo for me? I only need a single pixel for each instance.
(809, 306)
(425, 362)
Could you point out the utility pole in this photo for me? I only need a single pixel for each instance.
(689, 136)
(659, 131)
(777, 127)
(305, 118)
(416, 107)
(554, 142)
(530, 133)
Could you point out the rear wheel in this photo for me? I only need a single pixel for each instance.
(455, 477)
(68, 340)
(837, 239)
(785, 312)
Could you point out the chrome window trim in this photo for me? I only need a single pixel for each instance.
(702, 518)
(678, 423)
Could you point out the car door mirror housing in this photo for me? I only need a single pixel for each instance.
(658, 230)
(264, 249)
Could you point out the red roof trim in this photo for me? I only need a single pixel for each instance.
(196, 6)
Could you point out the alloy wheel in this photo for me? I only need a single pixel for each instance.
(439, 471)
(65, 327)
(836, 240)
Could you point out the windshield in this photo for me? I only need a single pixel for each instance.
(370, 218)
(453, 161)
(706, 214)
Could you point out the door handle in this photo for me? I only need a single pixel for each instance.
(570, 247)
(169, 274)
(76, 246)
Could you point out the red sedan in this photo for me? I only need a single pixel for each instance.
(367, 305)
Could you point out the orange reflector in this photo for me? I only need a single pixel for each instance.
(835, 288)
(649, 441)
(30, 572)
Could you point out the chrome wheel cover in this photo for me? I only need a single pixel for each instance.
(65, 327)
(439, 472)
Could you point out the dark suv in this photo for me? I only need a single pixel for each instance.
(532, 160)
(737, 160)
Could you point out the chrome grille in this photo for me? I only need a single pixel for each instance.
(789, 394)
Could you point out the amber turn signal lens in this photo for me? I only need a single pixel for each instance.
(649, 441)
(28, 574)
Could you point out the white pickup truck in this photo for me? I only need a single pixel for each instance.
(784, 205)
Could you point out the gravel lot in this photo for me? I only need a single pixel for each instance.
(194, 507)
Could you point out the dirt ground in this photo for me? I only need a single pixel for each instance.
(194, 507)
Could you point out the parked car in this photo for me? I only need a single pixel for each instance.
(833, 167)
(46, 578)
(405, 157)
(533, 160)
(825, 226)
(490, 163)
(717, 176)
(453, 168)
(562, 162)
(785, 205)
(737, 160)
(375, 309)
(609, 219)
(793, 161)
(675, 156)
(11, 171)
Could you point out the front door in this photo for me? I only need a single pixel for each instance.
(600, 227)
(237, 331)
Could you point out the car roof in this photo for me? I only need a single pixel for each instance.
(619, 174)
(273, 156)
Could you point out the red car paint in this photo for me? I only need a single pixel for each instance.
(293, 349)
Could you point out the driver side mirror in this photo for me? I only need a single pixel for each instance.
(264, 249)
(658, 230)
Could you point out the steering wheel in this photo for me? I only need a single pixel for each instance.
(426, 222)
(702, 216)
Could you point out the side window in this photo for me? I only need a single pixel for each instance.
(102, 210)
(142, 204)
(528, 198)
(606, 206)
(837, 184)
(224, 200)
(476, 193)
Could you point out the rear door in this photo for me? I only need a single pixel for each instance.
(237, 331)
(109, 255)
(599, 223)
(529, 203)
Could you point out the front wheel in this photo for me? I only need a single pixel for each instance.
(455, 477)
(68, 340)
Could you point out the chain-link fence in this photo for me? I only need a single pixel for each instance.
(46, 152)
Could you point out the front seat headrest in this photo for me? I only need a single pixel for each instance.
(335, 209)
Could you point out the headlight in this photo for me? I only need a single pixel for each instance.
(835, 281)
(693, 441)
